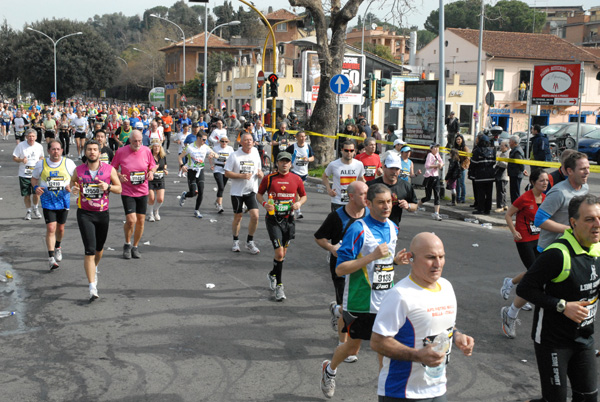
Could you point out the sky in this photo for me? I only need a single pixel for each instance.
(79, 10)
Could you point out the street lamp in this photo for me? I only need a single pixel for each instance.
(170, 40)
(149, 54)
(228, 24)
(54, 43)
(183, 37)
(123, 60)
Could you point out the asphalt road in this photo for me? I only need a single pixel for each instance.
(159, 334)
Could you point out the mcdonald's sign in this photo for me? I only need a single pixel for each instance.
(289, 88)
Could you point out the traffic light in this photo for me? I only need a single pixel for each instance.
(201, 89)
(380, 87)
(267, 90)
(258, 92)
(367, 87)
(274, 89)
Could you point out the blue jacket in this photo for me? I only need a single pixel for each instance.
(540, 146)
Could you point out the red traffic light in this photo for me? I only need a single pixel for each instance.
(273, 78)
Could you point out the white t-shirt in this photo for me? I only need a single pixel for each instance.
(80, 124)
(39, 166)
(343, 175)
(33, 153)
(223, 156)
(158, 134)
(19, 125)
(197, 156)
(216, 135)
(414, 316)
(181, 137)
(241, 162)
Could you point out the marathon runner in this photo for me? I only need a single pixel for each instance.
(50, 180)
(281, 188)
(302, 155)
(27, 154)
(20, 124)
(79, 124)
(224, 150)
(92, 182)
(156, 187)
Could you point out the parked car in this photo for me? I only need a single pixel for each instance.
(590, 145)
(565, 134)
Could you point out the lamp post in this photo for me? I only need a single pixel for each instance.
(54, 43)
(149, 54)
(127, 64)
(362, 46)
(182, 36)
(232, 23)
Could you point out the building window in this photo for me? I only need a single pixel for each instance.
(498, 79)
(282, 27)
(456, 50)
(434, 51)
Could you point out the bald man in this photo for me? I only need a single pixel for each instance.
(419, 308)
(135, 166)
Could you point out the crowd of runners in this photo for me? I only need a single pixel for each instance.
(122, 149)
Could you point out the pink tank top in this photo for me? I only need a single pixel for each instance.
(91, 196)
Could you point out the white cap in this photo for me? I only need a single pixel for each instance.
(392, 161)
(139, 124)
(399, 142)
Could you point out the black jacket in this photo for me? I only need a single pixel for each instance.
(482, 164)
(516, 169)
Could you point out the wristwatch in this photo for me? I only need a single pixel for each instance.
(561, 305)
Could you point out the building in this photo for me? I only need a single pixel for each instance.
(398, 44)
(556, 18)
(509, 58)
(582, 29)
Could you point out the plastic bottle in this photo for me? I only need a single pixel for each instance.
(271, 202)
(6, 313)
(441, 343)
(8, 274)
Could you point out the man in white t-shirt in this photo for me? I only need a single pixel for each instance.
(27, 154)
(413, 313)
(244, 169)
(302, 155)
(344, 171)
(217, 133)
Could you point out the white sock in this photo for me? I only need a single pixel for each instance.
(28, 209)
(330, 371)
(157, 206)
(513, 311)
(151, 209)
(92, 286)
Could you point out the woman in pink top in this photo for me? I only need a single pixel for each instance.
(433, 165)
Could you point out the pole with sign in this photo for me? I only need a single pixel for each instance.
(339, 84)
(273, 80)
(260, 82)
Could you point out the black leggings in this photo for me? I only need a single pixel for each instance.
(528, 252)
(579, 365)
(432, 183)
(93, 226)
(65, 141)
(221, 183)
(167, 139)
(195, 186)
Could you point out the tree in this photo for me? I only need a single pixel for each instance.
(84, 62)
(424, 37)
(460, 14)
(379, 50)
(118, 29)
(7, 66)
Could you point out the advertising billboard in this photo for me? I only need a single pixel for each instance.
(157, 96)
(556, 84)
(353, 67)
(420, 111)
(397, 90)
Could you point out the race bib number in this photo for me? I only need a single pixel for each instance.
(383, 275)
(198, 162)
(534, 230)
(283, 207)
(221, 159)
(589, 320)
(159, 174)
(283, 144)
(370, 171)
(246, 167)
(56, 184)
(137, 178)
(29, 170)
(92, 191)
(344, 196)
(104, 157)
(302, 161)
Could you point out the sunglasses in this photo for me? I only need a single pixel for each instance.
(348, 150)
(223, 141)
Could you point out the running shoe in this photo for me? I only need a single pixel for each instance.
(197, 214)
(127, 251)
(351, 359)
(236, 246)
(151, 218)
(182, 199)
(250, 246)
(509, 324)
(221, 210)
(28, 216)
(506, 288)
(272, 281)
(156, 216)
(135, 253)
(527, 307)
(333, 308)
(436, 217)
(327, 380)
(52, 263)
(299, 214)
(217, 207)
(279, 295)
(36, 213)
(93, 294)
(58, 254)
(244, 209)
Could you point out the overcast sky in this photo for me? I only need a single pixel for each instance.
(34, 10)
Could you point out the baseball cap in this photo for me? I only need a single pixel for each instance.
(195, 125)
(139, 124)
(392, 161)
(284, 155)
(399, 142)
(406, 148)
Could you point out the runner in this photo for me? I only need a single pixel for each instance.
(92, 182)
(302, 155)
(156, 187)
(50, 180)
(244, 169)
(137, 166)
(224, 150)
(122, 134)
(370, 160)
(27, 154)
(344, 171)
(64, 134)
(49, 127)
(280, 141)
(20, 124)
(106, 154)
(282, 188)
(218, 133)
(197, 152)
(79, 125)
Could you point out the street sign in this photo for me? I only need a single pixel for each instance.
(339, 84)
(273, 78)
(223, 105)
(489, 99)
(261, 79)
(556, 84)
(490, 83)
(183, 98)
